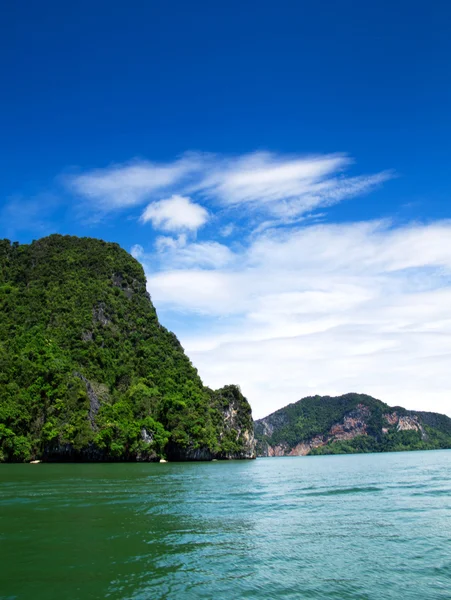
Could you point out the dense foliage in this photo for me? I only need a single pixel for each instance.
(315, 416)
(87, 371)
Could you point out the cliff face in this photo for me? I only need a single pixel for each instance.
(346, 424)
(88, 373)
(234, 424)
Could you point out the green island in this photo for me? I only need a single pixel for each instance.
(349, 424)
(87, 373)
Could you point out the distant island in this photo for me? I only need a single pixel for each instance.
(348, 424)
(87, 373)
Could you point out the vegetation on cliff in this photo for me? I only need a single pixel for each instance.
(88, 372)
(348, 424)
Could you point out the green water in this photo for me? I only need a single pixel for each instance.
(364, 526)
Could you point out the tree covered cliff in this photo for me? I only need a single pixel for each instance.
(88, 373)
(348, 424)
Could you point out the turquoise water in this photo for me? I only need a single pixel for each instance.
(372, 526)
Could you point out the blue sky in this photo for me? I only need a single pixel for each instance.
(280, 169)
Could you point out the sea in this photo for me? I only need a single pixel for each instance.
(368, 526)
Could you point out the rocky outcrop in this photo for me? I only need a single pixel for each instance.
(94, 402)
(129, 286)
(237, 427)
(304, 448)
(404, 423)
(99, 315)
(272, 423)
(248, 445)
(352, 425)
(235, 431)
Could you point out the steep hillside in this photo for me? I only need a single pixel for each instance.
(88, 373)
(348, 424)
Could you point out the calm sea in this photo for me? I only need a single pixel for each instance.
(372, 526)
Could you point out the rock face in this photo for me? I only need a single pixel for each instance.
(236, 436)
(88, 373)
(349, 423)
(352, 425)
(404, 423)
(94, 402)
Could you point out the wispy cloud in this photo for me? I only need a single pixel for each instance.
(123, 186)
(205, 255)
(181, 253)
(227, 230)
(287, 186)
(283, 186)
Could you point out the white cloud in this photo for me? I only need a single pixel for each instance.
(165, 242)
(198, 255)
(122, 186)
(137, 251)
(202, 291)
(322, 309)
(227, 230)
(175, 214)
(283, 186)
(286, 186)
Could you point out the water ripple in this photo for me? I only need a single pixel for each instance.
(345, 527)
